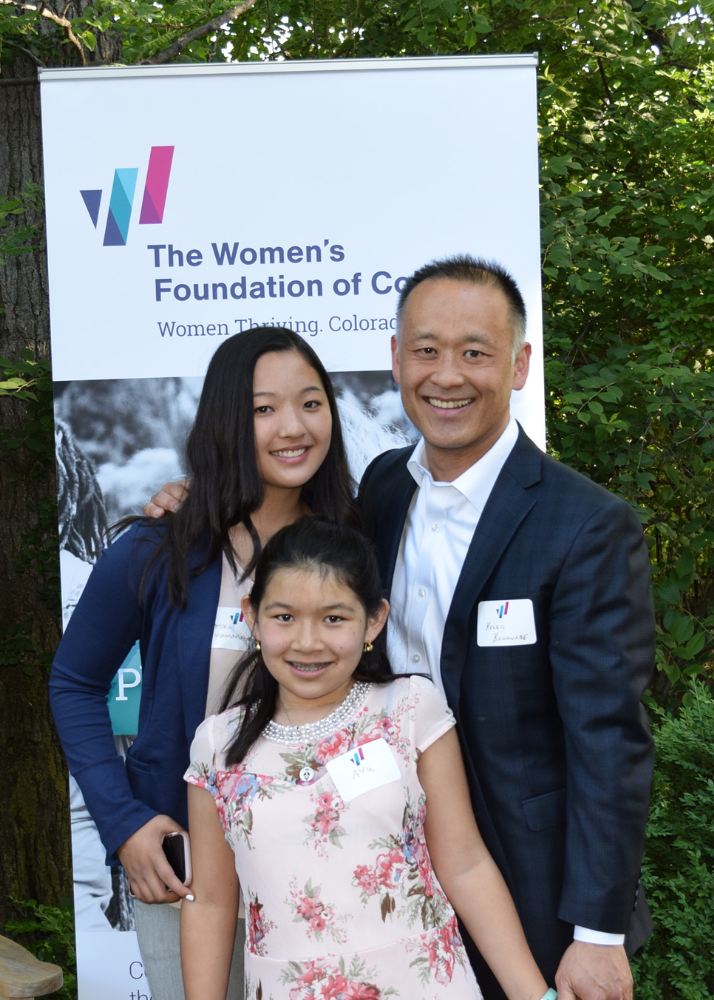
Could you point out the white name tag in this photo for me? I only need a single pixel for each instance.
(230, 630)
(364, 768)
(506, 623)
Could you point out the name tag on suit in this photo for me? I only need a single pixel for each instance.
(363, 769)
(506, 623)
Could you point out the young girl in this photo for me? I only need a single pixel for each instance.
(265, 449)
(337, 793)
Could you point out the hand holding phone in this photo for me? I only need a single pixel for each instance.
(178, 854)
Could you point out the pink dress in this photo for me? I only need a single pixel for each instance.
(341, 899)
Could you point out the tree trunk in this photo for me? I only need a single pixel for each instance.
(34, 819)
(34, 825)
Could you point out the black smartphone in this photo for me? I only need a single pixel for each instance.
(178, 854)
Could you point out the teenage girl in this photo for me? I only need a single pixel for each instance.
(337, 793)
(265, 449)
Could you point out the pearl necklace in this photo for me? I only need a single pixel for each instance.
(312, 732)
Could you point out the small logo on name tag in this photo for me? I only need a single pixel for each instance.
(506, 623)
(367, 767)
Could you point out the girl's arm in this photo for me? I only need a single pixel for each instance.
(106, 622)
(208, 924)
(468, 873)
(108, 619)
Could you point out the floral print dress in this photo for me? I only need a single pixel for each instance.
(341, 899)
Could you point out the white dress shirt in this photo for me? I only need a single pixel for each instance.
(440, 524)
(438, 529)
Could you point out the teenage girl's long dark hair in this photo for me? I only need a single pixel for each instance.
(221, 462)
(313, 544)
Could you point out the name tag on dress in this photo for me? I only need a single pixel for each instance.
(506, 623)
(363, 769)
(230, 630)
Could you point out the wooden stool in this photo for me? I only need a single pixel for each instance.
(23, 975)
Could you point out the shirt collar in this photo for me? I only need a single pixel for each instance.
(469, 483)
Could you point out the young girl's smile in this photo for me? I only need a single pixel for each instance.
(312, 629)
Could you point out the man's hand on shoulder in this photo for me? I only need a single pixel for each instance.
(594, 972)
(168, 498)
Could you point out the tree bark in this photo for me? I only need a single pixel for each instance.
(34, 827)
(34, 820)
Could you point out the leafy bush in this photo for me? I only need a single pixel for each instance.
(679, 857)
(48, 932)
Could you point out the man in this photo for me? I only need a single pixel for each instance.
(525, 588)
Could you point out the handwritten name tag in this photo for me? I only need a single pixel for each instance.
(506, 623)
(363, 769)
(230, 630)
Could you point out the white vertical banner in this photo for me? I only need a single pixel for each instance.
(186, 204)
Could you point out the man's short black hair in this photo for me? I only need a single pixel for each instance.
(478, 271)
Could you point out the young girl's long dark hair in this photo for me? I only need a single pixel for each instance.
(226, 487)
(313, 544)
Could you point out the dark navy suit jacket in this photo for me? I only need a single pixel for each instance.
(175, 652)
(555, 740)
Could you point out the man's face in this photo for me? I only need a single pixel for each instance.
(453, 363)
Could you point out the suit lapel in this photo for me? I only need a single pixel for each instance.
(395, 494)
(507, 506)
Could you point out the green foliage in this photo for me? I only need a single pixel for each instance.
(21, 222)
(25, 378)
(679, 857)
(48, 932)
(628, 252)
(28, 379)
(133, 31)
(641, 421)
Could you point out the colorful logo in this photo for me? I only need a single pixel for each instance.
(358, 757)
(121, 200)
(502, 609)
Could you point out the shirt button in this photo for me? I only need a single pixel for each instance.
(416, 658)
(421, 592)
(435, 527)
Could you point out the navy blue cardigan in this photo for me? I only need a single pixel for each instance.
(175, 652)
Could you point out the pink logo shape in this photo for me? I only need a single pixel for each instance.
(157, 184)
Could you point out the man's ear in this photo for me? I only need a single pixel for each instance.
(395, 358)
(521, 366)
